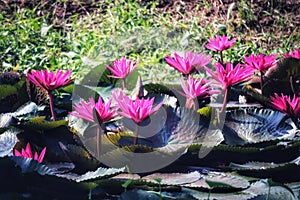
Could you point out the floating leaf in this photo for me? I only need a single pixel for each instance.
(284, 172)
(39, 123)
(27, 108)
(99, 173)
(6, 120)
(28, 165)
(153, 88)
(139, 194)
(7, 90)
(7, 141)
(59, 168)
(256, 125)
(9, 78)
(79, 156)
(173, 178)
(91, 175)
(215, 179)
(126, 176)
(77, 124)
(255, 166)
(257, 190)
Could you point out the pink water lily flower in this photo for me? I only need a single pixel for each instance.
(285, 104)
(49, 80)
(220, 43)
(122, 68)
(196, 88)
(93, 112)
(229, 76)
(189, 63)
(85, 110)
(260, 62)
(27, 153)
(137, 110)
(292, 54)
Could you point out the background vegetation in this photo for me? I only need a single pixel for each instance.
(78, 35)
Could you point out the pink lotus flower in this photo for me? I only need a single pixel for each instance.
(220, 43)
(189, 63)
(138, 109)
(261, 62)
(49, 80)
(194, 88)
(292, 54)
(230, 75)
(85, 110)
(285, 104)
(27, 153)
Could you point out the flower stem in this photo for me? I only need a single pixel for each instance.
(221, 54)
(261, 81)
(124, 83)
(51, 105)
(225, 101)
(99, 141)
(135, 142)
(190, 103)
(292, 85)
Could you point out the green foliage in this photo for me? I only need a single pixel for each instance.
(7, 90)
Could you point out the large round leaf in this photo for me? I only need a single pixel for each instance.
(256, 125)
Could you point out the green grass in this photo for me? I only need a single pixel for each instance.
(127, 28)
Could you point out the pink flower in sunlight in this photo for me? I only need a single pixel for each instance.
(285, 104)
(292, 54)
(138, 109)
(194, 88)
(189, 63)
(230, 75)
(85, 110)
(27, 153)
(220, 43)
(122, 68)
(49, 80)
(260, 62)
